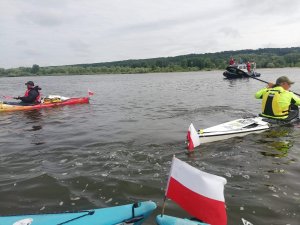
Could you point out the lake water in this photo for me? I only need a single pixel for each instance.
(118, 148)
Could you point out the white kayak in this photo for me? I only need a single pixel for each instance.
(235, 128)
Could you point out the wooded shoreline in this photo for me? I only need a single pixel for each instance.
(264, 58)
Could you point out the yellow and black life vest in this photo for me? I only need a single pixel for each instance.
(271, 106)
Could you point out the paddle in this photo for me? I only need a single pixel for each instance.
(255, 78)
(9, 97)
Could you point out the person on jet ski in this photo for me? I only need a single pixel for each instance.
(278, 102)
(32, 94)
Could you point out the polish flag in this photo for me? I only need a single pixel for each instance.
(192, 138)
(199, 193)
(90, 93)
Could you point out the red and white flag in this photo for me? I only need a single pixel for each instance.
(90, 93)
(199, 193)
(192, 138)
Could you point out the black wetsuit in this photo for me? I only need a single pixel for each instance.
(293, 113)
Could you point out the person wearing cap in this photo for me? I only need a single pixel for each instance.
(32, 94)
(277, 101)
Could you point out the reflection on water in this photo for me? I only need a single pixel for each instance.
(34, 126)
(275, 147)
(280, 149)
(278, 132)
(34, 115)
(233, 82)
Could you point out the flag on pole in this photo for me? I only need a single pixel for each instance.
(192, 137)
(90, 93)
(199, 193)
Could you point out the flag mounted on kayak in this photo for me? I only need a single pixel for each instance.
(199, 193)
(90, 93)
(192, 138)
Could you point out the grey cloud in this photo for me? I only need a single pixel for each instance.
(290, 20)
(31, 52)
(150, 26)
(230, 32)
(79, 46)
(58, 32)
(50, 4)
(263, 7)
(177, 21)
(21, 42)
(41, 18)
(270, 45)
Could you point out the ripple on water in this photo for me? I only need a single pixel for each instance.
(119, 148)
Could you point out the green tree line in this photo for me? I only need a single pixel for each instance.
(264, 58)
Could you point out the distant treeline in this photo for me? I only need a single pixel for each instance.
(264, 58)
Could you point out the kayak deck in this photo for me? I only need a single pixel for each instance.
(235, 128)
(133, 213)
(170, 220)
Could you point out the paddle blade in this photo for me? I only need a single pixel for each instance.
(8, 97)
(192, 138)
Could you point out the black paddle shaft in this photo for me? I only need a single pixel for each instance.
(267, 82)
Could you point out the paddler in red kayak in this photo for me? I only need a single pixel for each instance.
(32, 94)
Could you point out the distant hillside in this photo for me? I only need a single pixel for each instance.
(264, 58)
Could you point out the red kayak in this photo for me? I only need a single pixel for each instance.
(6, 107)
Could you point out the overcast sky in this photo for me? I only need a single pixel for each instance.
(59, 32)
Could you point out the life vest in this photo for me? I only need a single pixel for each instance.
(248, 67)
(270, 105)
(37, 99)
(27, 93)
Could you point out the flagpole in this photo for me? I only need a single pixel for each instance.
(165, 198)
(163, 207)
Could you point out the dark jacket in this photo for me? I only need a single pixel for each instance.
(32, 96)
